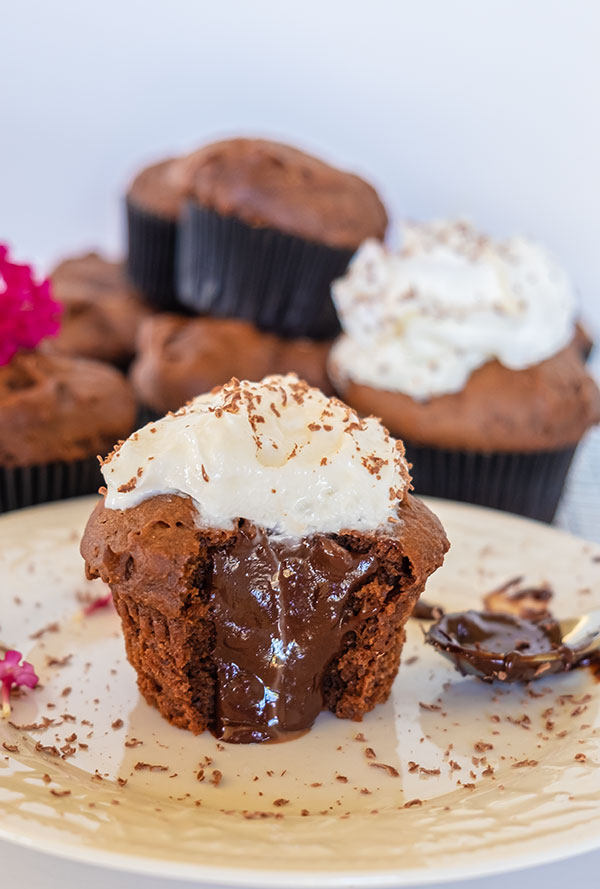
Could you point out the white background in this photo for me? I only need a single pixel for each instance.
(482, 107)
(487, 108)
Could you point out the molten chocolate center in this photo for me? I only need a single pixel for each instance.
(282, 609)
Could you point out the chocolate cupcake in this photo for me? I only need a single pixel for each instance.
(153, 203)
(101, 311)
(265, 230)
(465, 347)
(56, 412)
(179, 358)
(264, 554)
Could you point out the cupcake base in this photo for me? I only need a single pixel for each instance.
(279, 281)
(151, 256)
(529, 484)
(201, 638)
(23, 486)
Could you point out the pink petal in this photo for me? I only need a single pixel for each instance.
(28, 313)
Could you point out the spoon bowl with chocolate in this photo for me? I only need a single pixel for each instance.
(509, 648)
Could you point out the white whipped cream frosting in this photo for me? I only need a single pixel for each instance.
(278, 453)
(422, 319)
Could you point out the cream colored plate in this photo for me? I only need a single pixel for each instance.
(535, 797)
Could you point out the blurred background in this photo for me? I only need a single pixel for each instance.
(486, 109)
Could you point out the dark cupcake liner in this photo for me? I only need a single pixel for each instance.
(583, 341)
(146, 415)
(529, 484)
(151, 255)
(23, 486)
(280, 282)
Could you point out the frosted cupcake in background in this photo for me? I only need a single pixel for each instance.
(464, 346)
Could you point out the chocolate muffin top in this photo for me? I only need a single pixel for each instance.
(159, 189)
(266, 184)
(269, 184)
(54, 407)
(179, 358)
(101, 311)
(544, 407)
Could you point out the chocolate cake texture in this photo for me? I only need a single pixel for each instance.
(250, 636)
(248, 607)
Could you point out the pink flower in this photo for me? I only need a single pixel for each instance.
(13, 674)
(97, 604)
(28, 313)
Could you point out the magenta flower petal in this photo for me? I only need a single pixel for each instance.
(98, 604)
(28, 313)
(12, 673)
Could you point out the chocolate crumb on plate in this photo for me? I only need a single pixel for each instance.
(394, 773)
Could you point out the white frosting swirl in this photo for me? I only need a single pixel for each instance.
(421, 320)
(278, 453)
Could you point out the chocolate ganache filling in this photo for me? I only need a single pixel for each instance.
(282, 608)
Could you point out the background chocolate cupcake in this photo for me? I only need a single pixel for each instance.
(464, 346)
(56, 415)
(265, 230)
(179, 358)
(101, 312)
(56, 412)
(153, 203)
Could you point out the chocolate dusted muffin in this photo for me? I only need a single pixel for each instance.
(56, 414)
(264, 554)
(153, 204)
(265, 230)
(465, 347)
(101, 311)
(179, 358)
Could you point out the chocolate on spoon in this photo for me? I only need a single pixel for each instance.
(513, 649)
(513, 597)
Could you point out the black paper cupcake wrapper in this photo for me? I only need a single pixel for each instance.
(279, 281)
(151, 256)
(146, 415)
(529, 484)
(23, 486)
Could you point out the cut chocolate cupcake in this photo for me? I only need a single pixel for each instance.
(264, 554)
